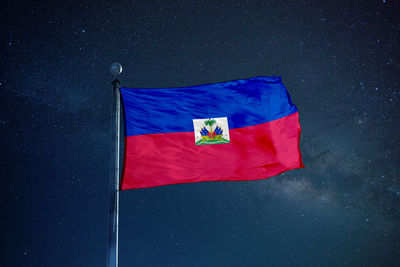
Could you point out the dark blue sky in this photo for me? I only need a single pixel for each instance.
(340, 61)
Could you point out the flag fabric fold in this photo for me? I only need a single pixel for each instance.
(245, 129)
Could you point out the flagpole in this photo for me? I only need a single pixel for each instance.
(112, 253)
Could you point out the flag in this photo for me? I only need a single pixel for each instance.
(244, 129)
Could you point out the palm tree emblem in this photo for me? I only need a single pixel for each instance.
(211, 136)
(210, 123)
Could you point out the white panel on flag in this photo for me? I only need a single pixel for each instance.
(211, 131)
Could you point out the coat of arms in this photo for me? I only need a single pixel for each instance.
(211, 131)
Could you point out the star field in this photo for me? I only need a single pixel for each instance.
(339, 61)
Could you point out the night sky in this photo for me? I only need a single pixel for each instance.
(340, 61)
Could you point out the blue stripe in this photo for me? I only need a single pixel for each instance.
(245, 102)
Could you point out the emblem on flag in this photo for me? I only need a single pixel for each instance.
(211, 131)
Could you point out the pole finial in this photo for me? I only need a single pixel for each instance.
(115, 69)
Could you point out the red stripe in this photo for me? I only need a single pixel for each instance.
(255, 152)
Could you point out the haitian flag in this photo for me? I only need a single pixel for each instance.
(238, 130)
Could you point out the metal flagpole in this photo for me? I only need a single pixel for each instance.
(112, 254)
